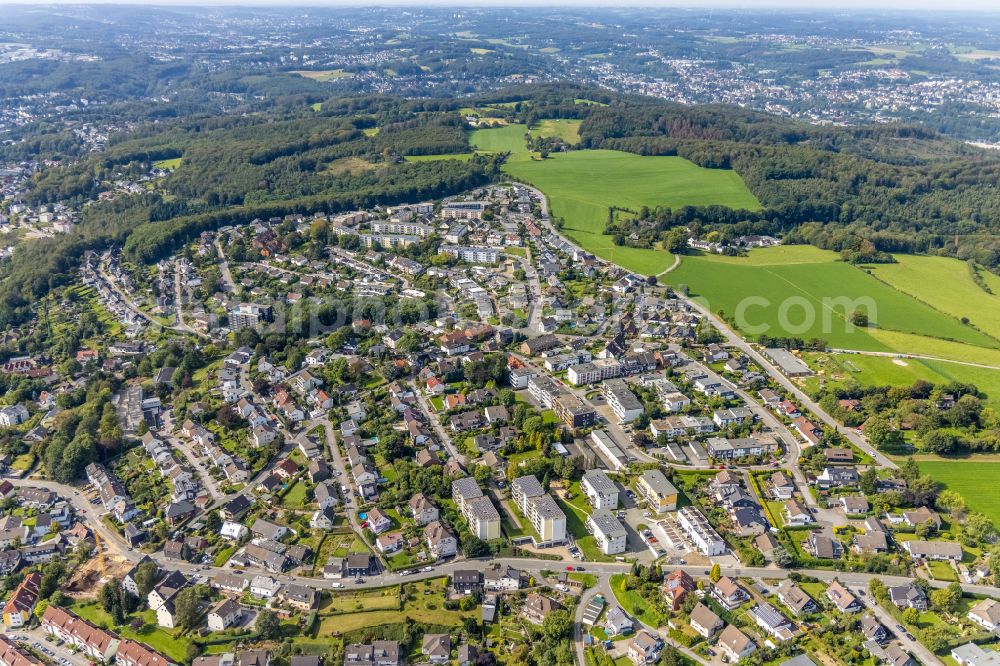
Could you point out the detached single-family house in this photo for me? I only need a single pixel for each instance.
(735, 644)
(704, 621)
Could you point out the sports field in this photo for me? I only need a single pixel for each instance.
(567, 130)
(884, 371)
(818, 295)
(582, 185)
(973, 479)
(947, 285)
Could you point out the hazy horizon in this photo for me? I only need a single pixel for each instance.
(987, 6)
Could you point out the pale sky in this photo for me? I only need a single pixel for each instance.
(991, 6)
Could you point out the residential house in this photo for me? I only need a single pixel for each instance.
(299, 597)
(224, 614)
(735, 644)
(908, 595)
(264, 587)
(466, 581)
(842, 599)
(986, 614)
(934, 550)
(676, 586)
(599, 489)
(21, 602)
(617, 622)
(873, 630)
(796, 514)
(795, 598)
(644, 648)
(436, 648)
(729, 593)
(769, 619)
(704, 621)
(824, 547)
(921, 516)
(501, 578)
(441, 543)
(376, 653)
(537, 607)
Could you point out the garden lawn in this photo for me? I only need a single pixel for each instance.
(23, 462)
(582, 185)
(168, 642)
(819, 298)
(633, 603)
(943, 571)
(426, 608)
(296, 496)
(223, 556)
(974, 480)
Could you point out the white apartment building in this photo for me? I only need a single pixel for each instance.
(622, 401)
(599, 489)
(608, 531)
(540, 509)
(472, 254)
(700, 531)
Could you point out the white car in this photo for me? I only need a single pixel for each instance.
(428, 569)
(337, 585)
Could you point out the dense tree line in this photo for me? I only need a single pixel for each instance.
(902, 188)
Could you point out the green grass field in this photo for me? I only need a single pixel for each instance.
(946, 284)
(807, 283)
(567, 130)
(972, 479)
(509, 138)
(883, 371)
(909, 343)
(168, 164)
(872, 370)
(464, 157)
(322, 75)
(582, 185)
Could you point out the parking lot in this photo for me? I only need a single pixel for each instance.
(55, 651)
